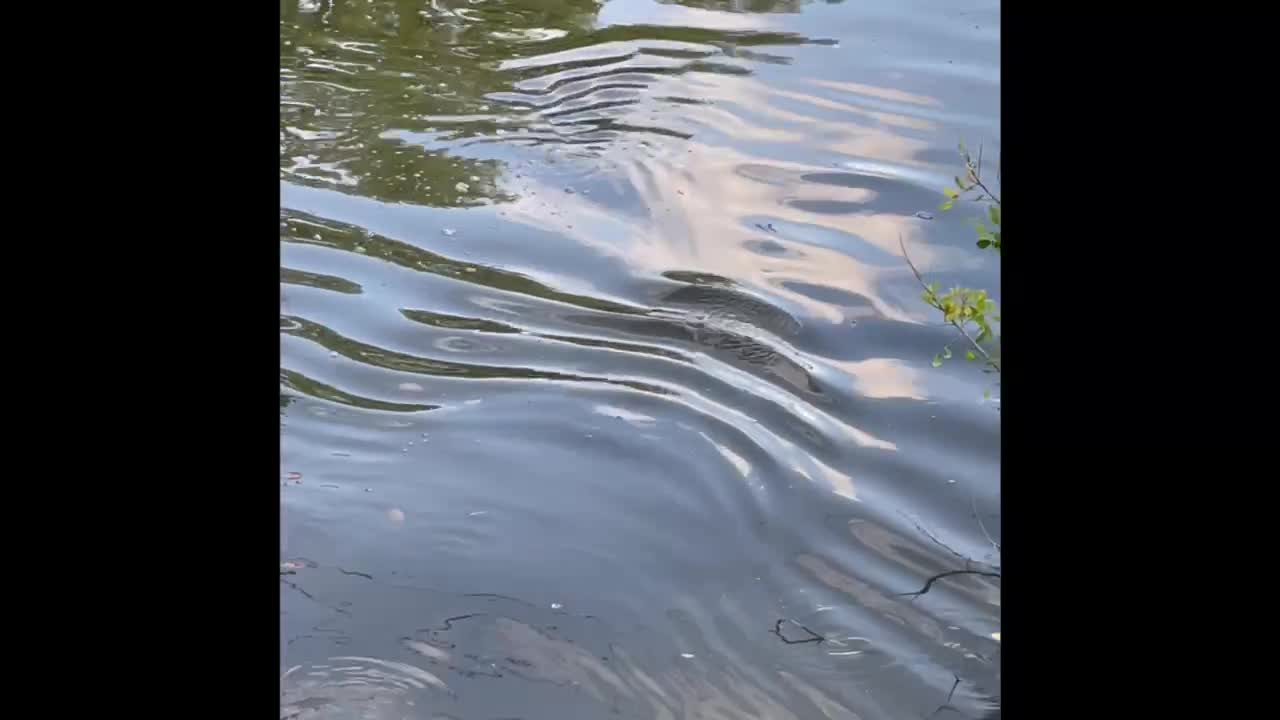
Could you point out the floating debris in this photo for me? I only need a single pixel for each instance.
(924, 215)
(556, 606)
(462, 187)
(449, 232)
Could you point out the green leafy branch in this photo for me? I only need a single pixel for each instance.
(971, 312)
(976, 190)
(965, 309)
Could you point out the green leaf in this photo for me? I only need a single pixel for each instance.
(986, 394)
(946, 352)
(970, 356)
(950, 193)
(994, 213)
(959, 184)
(937, 361)
(984, 243)
(946, 205)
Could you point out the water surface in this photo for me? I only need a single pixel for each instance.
(605, 390)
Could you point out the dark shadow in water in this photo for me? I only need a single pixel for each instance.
(726, 323)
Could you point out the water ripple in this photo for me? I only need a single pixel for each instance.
(600, 362)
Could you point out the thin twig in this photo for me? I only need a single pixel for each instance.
(969, 563)
(949, 573)
(447, 624)
(954, 685)
(947, 704)
(936, 541)
(777, 630)
(920, 278)
(974, 502)
(977, 176)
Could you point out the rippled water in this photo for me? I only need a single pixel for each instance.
(604, 386)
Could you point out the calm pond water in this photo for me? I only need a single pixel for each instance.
(605, 390)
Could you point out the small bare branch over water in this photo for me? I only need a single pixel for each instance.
(777, 630)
